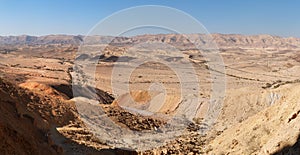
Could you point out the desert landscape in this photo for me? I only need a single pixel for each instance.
(45, 80)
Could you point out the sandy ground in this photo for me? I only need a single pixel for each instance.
(257, 116)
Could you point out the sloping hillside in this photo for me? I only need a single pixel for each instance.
(267, 132)
(22, 131)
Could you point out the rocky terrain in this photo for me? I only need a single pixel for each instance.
(40, 89)
(223, 40)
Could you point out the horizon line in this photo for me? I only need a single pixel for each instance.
(217, 33)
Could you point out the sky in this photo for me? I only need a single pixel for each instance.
(78, 17)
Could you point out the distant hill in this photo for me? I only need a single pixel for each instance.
(222, 40)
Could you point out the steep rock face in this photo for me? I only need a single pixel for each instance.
(31, 115)
(267, 132)
(263, 131)
(21, 131)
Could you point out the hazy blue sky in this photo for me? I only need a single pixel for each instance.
(33, 17)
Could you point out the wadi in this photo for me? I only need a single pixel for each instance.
(150, 94)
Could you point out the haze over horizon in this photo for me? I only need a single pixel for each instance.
(246, 35)
(279, 18)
